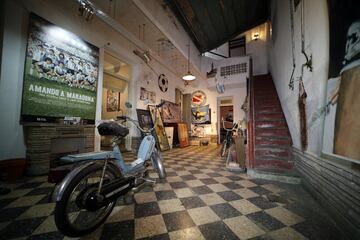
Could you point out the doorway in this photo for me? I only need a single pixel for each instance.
(226, 112)
(115, 93)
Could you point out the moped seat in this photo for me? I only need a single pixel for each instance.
(112, 129)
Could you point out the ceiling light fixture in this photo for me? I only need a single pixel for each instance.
(188, 76)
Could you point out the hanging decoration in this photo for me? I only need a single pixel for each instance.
(220, 87)
(291, 82)
(198, 98)
(163, 83)
(302, 92)
(212, 72)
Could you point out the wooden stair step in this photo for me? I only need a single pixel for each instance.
(272, 152)
(271, 132)
(273, 164)
(271, 124)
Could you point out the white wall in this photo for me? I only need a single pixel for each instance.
(317, 44)
(99, 34)
(258, 49)
(13, 56)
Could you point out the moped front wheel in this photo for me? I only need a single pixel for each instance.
(158, 164)
(71, 218)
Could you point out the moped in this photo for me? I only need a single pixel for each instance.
(88, 193)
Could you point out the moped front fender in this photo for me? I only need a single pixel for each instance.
(158, 163)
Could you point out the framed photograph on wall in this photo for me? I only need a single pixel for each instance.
(171, 112)
(159, 129)
(112, 100)
(146, 95)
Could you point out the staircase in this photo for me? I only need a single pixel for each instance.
(272, 141)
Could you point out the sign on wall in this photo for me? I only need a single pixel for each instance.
(198, 98)
(171, 112)
(342, 124)
(61, 73)
(201, 115)
(146, 95)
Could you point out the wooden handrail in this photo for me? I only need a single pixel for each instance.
(251, 130)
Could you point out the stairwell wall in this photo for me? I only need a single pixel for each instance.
(334, 182)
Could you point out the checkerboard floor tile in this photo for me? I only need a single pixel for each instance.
(199, 200)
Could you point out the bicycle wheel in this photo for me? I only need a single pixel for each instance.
(71, 218)
(223, 148)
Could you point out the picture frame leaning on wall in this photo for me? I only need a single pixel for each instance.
(159, 128)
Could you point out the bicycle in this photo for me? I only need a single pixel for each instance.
(228, 141)
(88, 193)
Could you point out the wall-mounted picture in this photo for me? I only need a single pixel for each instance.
(170, 112)
(61, 73)
(342, 120)
(201, 115)
(112, 100)
(146, 95)
(198, 98)
(159, 129)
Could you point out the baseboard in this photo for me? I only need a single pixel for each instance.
(335, 188)
(279, 177)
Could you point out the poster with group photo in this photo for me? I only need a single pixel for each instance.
(342, 121)
(61, 73)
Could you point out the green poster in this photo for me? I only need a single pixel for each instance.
(61, 73)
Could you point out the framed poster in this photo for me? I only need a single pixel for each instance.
(144, 118)
(183, 135)
(201, 115)
(60, 75)
(170, 112)
(112, 100)
(341, 125)
(146, 95)
(159, 128)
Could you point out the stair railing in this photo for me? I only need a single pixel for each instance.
(251, 118)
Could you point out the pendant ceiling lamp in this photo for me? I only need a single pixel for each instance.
(188, 76)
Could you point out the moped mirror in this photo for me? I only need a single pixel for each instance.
(128, 105)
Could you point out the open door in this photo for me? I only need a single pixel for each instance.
(114, 93)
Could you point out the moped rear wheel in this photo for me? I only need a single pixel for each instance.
(71, 218)
(223, 148)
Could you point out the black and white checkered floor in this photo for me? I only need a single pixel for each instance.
(199, 200)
